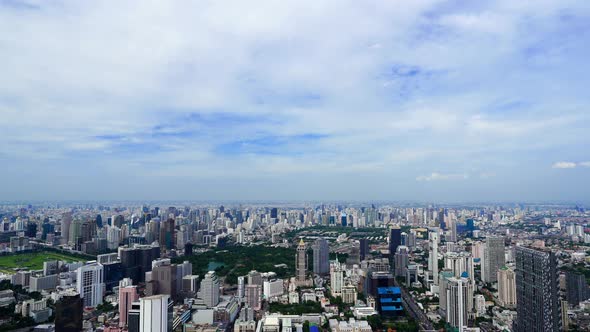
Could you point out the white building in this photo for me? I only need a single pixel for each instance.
(153, 316)
(336, 278)
(90, 283)
(210, 289)
(273, 288)
(459, 301)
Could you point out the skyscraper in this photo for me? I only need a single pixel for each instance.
(127, 295)
(493, 259)
(167, 234)
(576, 288)
(210, 289)
(336, 278)
(507, 287)
(537, 300)
(433, 255)
(154, 313)
(68, 313)
(66, 221)
(90, 283)
(459, 301)
(395, 240)
(253, 296)
(301, 262)
(321, 257)
(364, 248)
(401, 261)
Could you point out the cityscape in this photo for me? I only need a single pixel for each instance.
(253, 267)
(294, 166)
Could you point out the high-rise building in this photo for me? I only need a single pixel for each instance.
(167, 234)
(254, 296)
(68, 313)
(507, 287)
(364, 248)
(241, 287)
(576, 288)
(537, 300)
(321, 257)
(433, 255)
(401, 261)
(459, 302)
(166, 279)
(154, 313)
(210, 289)
(395, 240)
(336, 278)
(127, 295)
(301, 262)
(137, 260)
(66, 221)
(90, 284)
(493, 259)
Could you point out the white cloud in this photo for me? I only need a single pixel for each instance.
(439, 176)
(564, 164)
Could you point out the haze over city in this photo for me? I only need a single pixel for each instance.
(295, 100)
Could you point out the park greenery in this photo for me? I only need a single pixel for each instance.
(34, 260)
(235, 261)
(296, 308)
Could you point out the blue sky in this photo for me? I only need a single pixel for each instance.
(391, 100)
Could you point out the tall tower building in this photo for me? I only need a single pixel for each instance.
(395, 240)
(127, 295)
(401, 261)
(90, 283)
(66, 221)
(537, 300)
(301, 262)
(254, 296)
(336, 278)
(507, 287)
(210, 289)
(576, 288)
(154, 313)
(433, 255)
(459, 302)
(68, 313)
(364, 248)
(493, 259)
(321, 257)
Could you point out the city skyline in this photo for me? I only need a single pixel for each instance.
(428, 101)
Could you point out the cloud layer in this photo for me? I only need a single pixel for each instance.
(292, 100)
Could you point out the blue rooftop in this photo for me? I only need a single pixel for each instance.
(389, 291)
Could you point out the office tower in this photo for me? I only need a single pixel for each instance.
(190, 284)
(321, 257)
(565, 320)
(241, 287)
(301, 262)
(336, 278)
(441, 219)
(137, 260)
(166, 280)
(576, 288)
(452, 231)
(68, 313)
(364, 248)
(254, 278)
(133, 317)
(188, 249)
(389, 302)
(444, 277)
(433, 255)
(274, 213)
(167, 234)
(461, 263)
(401, 261)
(89, 283)
(459, 302)
(98, 221)
(507, 287)
(153, 315)
(537, 300)
(493, 259)
(210, 289)
(253, 296)
(395, 240)
(66, 221)
(127, 295)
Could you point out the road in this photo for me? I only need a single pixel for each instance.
(415, 310)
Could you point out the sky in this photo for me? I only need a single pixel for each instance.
(422, 100)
